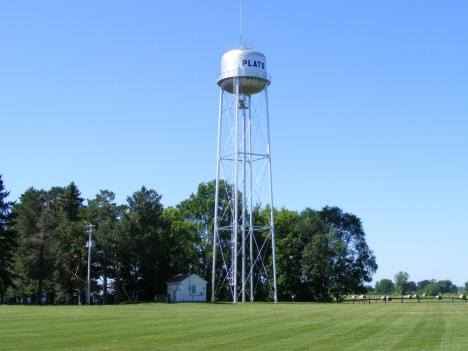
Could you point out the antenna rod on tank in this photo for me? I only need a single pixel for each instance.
(240, 23)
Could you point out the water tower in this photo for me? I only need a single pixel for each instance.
(243, 214)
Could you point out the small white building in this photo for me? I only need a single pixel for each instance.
(187, 288)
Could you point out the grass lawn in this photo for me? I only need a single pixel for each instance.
(287, 326)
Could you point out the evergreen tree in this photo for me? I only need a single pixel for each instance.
(111, 243)
(143, 222)
(71, 202)
(7, 241)
(69, 240)
(33, 255)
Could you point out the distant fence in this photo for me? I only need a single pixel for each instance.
(369, 300)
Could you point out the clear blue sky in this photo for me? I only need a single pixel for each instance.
(368, 105)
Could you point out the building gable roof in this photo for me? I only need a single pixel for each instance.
(181, 277)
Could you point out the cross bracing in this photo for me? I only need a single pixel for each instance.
(244, 225)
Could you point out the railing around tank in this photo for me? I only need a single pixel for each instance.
(239, 72)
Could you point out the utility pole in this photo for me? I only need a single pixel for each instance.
(89, 245)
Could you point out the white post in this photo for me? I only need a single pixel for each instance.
(90, 238)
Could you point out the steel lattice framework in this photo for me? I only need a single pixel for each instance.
(244, 234)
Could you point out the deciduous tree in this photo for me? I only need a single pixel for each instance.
(199, 210)
(384, 286)
(401, 282)
(353, 262)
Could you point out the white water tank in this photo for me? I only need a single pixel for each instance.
(249, 66)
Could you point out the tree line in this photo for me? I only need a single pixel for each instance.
(138, 246)
(401, 285)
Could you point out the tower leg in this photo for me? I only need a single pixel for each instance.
(272, 215)
(215, 229)
(250, 205)
(244, 202)
(236, 197)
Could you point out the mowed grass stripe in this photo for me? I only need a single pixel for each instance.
(235, 327)
(282, 327)
(360, 331)
(69, 326)
(416, 328)
(260, 332)
(231, 324)
(455, 335)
